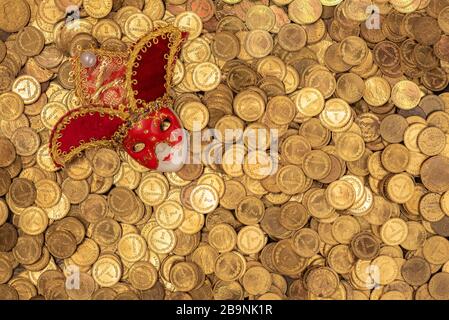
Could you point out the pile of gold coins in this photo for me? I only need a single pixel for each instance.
(357, 209)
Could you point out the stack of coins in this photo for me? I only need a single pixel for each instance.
(353, 203)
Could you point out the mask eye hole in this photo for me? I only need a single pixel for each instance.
(165, 125)
(138, 147)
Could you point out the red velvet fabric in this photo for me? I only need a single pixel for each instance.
(152, 70)
(83, 129)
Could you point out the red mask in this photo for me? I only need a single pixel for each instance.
(125, 102)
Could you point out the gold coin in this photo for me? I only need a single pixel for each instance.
(60, 210)
(106, 162)
(437, 285)
(293, 215)
(358, 186)
(98, 9)
(394, 232)
(294, 148)
(258, 43)
(48, 193)
(230, 266)
(258, 165)
(316, 164)
(79, 168)
(196, 51)
(3, 212)
(257, 136)
(222, 237)
(169, 215)
(190, 22)
(161, 241)
(232, 161)
(340, 195)
(204, 199)
(318, 205)
(395, 158)
(249, 105)
(234, 193)
(309, 102)
(431, 141)
(291, 80)
(406, 95)
(350, 87)
(28, 88)
(384, 270)
(316, 277)
(305, 11)
(132, 247)
(52, 113)
(214, 181)
(436, 250)
(411, 136)
(350, 146)
(206, 76)
(353, 50)
(87, 253)
(260, 17)
(15, 16)
(272, 66)
(336, 114)
(185, 276)
(257, 280)
(107, 271)
(26, 141)
(138, 25)
(281, 110)
(94, 208)
(193, 222)
(444, 202)
(11, 106)
(153, 189)
(345, 228)
(251, 239)
(291, 180)
(377, 91)
(250, 210)
(142, 275)
(33, 221)
(224, 126)
(399, 188)
(178, 73)
(106, 29)
(194, 115)
(429, 207)
(30, 41)
(306, 242)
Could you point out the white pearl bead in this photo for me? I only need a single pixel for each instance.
(88, 59)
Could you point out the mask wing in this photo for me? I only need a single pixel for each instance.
(151, 66)
(84, 128)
